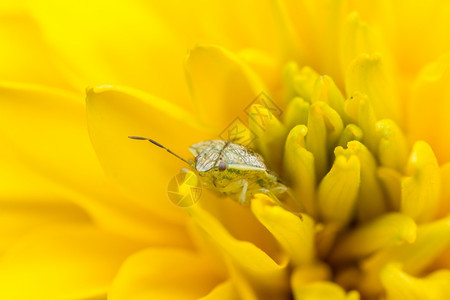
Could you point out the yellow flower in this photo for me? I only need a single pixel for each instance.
(353, 117)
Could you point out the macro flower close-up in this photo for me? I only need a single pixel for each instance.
(235, 150)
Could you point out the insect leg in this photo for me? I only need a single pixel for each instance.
(243, 192)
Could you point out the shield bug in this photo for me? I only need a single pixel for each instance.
(230, 169)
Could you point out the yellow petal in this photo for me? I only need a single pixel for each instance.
(299, 168)
(429, 20)
(351, 132)
(313, 21)
(323, 290)
(47, 128)
(222, 86)
(22, 216)
(387, 230)
(391, 181)
(296, 113)
(338, 190)
(287, 37)
(63, 263)
(142, 169)
(358, 107)
(270, 135)
(165, 273)
(359, 37)
(370, 202)
(295, 236)
(368, 75)
(421, 190)
(400, 285)
(120, 44)
(324, 128)
(428, 120)
(304, 81)
(268, 279)
(326, 90)
(444, 206)
(225, 290)
(432, 238)
(59, 162)
(393, 148)
(27, 56)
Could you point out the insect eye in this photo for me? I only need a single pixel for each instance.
(222, 166)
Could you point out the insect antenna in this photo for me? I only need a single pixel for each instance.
(159, 145)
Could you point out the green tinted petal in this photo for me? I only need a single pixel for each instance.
(299, 170)
(391, 182)
(351, 132)
(400, 285)
(371, 202)
(387, 230)
(270, 134)
(421, 190)
(338, 190)
(393, 149)
(296, 113)
(295, 236)
(304, 82)
(326, 90)
(324, 129)
(361, 111)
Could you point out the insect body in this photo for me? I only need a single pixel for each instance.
(231, 170)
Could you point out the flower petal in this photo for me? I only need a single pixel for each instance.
(432, 87)
(28, 116)
(432, 239)
(400, 285)
(222, 86)
(63, 263)
(326, 90)
(295, 236)
(421, 189)
(270, 135)
(393, 149)
(322, 290)
(121, 44)
(367, 74)
(444, 206)
(254, 273)
(324, 128)
(370, 202)
(22, 216)
(296, 113)
(27, 56)
(165, 273)
(225, 290)
(358, 107)
(360, 37)
(338, 190)
(115, 113)
(299, 168)
(387, 230)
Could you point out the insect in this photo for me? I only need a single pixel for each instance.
(230, 169)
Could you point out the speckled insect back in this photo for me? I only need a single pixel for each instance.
(230, 169)
(233, 170)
